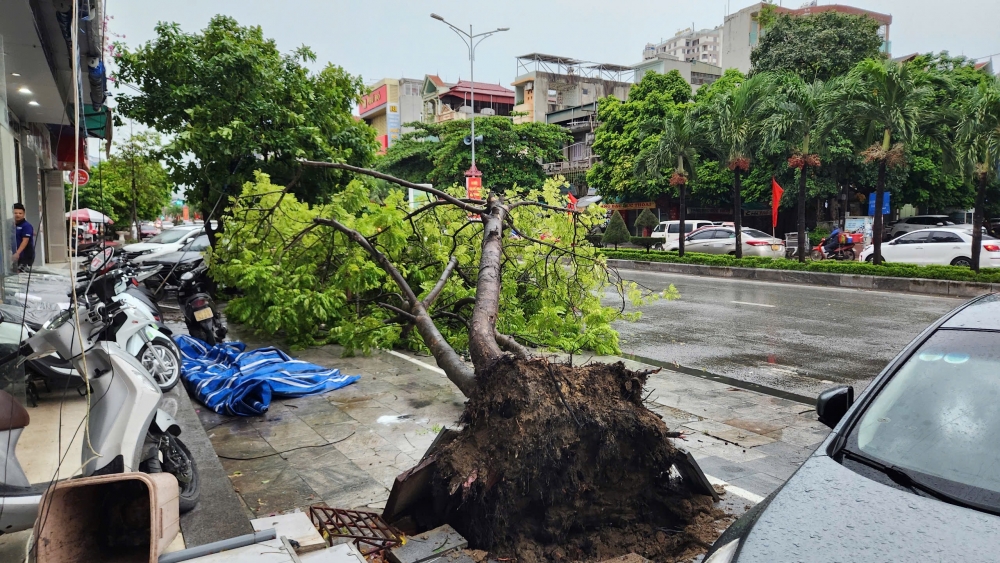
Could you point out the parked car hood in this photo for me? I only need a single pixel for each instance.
(142, 246)
(171, 258)
(827, 512)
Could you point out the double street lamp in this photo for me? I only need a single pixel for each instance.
(471, 41)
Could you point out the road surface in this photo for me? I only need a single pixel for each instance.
(795, 338)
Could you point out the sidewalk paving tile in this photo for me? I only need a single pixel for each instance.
(759, 483)
(732, 434)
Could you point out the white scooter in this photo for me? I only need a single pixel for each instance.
(137, 332)
(127, 432)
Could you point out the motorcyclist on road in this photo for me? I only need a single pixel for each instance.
(832, 242)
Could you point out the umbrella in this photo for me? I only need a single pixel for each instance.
(89, 216)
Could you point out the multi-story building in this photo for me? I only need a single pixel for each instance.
(389, 104)
(696, 73)
(37, 135)
(443, 101)
(741, 31)
(704, 45)
(546, 84)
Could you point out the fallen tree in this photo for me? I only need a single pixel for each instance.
(554, 461)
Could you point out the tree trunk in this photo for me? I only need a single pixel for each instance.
(681, 206)
(738, 210)
(877, 228)
(802, 215)
(482, 329)
(977, 223)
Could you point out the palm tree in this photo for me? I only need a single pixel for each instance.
(801, 119)
(891, 102)
(734, 130)
(680, 137)
(979, 141)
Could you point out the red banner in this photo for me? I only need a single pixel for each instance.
(374, 99)
(776, 193)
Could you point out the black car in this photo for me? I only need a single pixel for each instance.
(911, 471)
(173, 264)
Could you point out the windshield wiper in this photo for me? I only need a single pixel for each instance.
(906, 479)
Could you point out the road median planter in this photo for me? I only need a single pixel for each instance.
(954, 288)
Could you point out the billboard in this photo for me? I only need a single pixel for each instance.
(373, 100)
(392, 122)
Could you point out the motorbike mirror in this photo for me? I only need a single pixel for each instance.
(832, 404)
(187, 276)
(100, 260)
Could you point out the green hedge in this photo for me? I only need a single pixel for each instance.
(954, 273)
(645, 242)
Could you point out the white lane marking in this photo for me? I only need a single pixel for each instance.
(752, 497)
(754, 304)
(424, 365)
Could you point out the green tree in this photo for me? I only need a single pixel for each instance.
(816, 47)
(620, 137)
(801, 118)
(617, 231)
(232, 105)
(891, 102)
(679, 138)
(734, 131)
(979, 137)
(510, 155)
(131, 185)
(646, 221)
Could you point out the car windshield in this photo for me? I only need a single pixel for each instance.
(938, 415)
(167, 237)
(755, 233)
(198, 244)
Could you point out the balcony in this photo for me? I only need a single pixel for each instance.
(577, 157)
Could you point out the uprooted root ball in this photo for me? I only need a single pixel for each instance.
(566, 463)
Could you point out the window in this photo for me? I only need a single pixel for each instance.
(755, 233)
(674, 228)
(944, 236)
(724, 234)
(688, 227)
(199, 244)
(659, 228)
(586, 91)
(170, 235)
(705, 235)
(912, 238)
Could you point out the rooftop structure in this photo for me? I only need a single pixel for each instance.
(550, 83)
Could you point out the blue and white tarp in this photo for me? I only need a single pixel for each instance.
(232, 381)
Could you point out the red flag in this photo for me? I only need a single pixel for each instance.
(776, 192)
(572, 201)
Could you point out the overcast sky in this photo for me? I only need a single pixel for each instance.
(397, 38)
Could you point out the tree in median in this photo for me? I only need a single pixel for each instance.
(617, 231)
(733, 123)
(646, 221)
(232, 104)
(892, 102)
(979, 138)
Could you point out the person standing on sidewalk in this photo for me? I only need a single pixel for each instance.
(23, 243)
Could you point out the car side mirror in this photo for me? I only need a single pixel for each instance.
(940, 224)
(832, 404)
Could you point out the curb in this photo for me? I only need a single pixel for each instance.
(878, 283)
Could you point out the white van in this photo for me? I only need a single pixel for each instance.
(669, 231)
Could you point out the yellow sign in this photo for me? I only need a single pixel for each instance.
(632, 205)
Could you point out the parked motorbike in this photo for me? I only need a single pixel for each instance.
(127, 432)
(137, 331)
(200, 313)
(844, 251)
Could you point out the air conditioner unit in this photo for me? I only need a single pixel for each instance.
(488, 111)
(465, 109)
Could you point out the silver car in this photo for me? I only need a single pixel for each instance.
(919, 222)
(722, 240)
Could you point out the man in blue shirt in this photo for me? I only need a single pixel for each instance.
(23, 243)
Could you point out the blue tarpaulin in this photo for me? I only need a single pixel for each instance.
(232, 381)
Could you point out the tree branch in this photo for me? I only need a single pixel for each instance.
(482, 330)
(507, 343)
(538, 204)
(429, 300)
(357, 170)
(406, 315)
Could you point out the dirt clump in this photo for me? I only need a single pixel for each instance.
(560, 463)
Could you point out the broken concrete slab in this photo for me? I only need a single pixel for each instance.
(294, 526)
(428, 545)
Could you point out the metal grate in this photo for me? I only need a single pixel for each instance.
(371, 534)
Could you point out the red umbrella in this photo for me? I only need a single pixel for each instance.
(88, 216)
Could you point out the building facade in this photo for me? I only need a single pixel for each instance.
(696, 73)
(704, 45)
(547, 84)
(443, 101)
(741, 31)
(389, 104)
(37, 117)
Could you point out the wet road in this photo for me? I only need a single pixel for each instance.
(777, 335)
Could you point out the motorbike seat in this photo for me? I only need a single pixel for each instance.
(12, 414)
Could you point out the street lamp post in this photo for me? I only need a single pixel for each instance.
(471, 42)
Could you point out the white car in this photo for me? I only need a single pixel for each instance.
(938, 246)
(919, 222)
(722, 240)
(669, 231)
(170, 240)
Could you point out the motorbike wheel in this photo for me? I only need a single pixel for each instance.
(170, 362)
(816, 255)
(177, 460)
(850, 255)
(207, 329)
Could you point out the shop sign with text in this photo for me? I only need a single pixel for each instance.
(373, 100)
